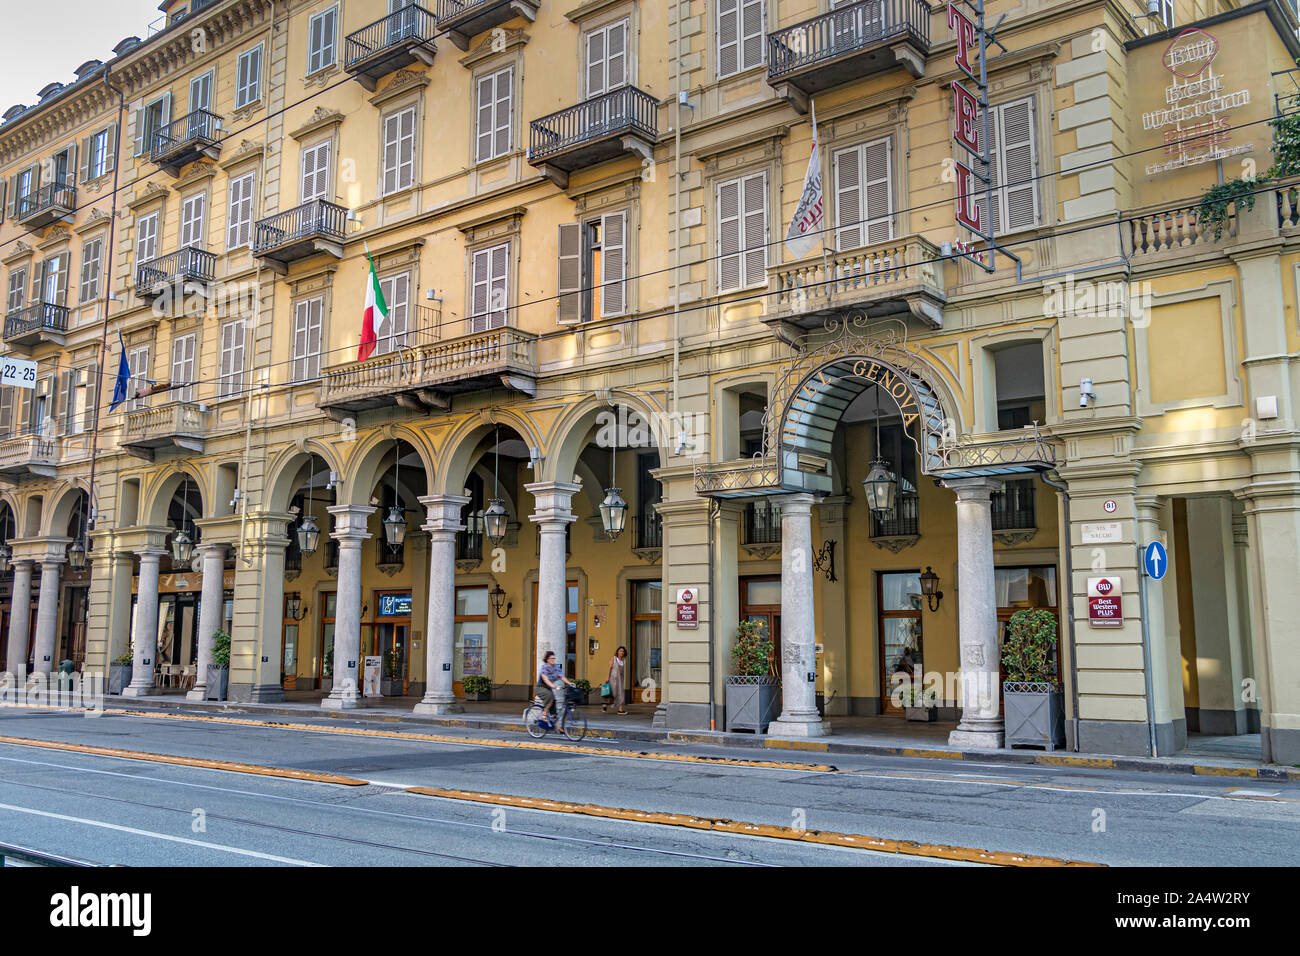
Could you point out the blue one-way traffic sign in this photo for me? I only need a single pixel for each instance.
(1156, 560)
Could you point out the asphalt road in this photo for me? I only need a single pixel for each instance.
(113, 810)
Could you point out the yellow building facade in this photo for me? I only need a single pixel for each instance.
(575, 215)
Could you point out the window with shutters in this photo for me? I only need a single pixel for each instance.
(397, 296)
(248, 78)
(149, 121)
(146, 238)
(192, 210)
(606, 52)
(92, 253)
(137, 361)
(493, 114)
(52, 281)
(98, 150)
(239, 217)
(593, 269)
(201, 92)
(308, 316)
(72, 401)
(17, 295)
(399, 150)
(7, 412)
(864, 194)
(1015, 163)
(24, 185)
(315, 183)
(232, 359)
(183, 348)
(490, 287)
(321, 31)
(741, 36)
(63, 166)
(742, 232)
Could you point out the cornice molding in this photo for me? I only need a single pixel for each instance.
(402, 83)
(21, 251)
(199, 172)
(148, 194)
(97, 219)
(321, 119)
(515, 39)
(248, 149)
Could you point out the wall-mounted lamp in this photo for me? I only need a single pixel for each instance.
(497, 595)
(930, 588)
(824, 560)
(294, 608)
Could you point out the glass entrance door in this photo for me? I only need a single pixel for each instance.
(392, 634)
(644, 667)
(901, 658)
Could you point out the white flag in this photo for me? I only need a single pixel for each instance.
(810, 217)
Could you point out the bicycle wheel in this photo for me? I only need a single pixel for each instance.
(532, 717)
(575, 724)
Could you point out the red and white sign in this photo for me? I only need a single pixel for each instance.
(688, 611)
(1105, 602)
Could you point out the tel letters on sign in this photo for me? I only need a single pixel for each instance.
(1105, 602)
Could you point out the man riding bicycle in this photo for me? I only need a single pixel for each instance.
(550, 683)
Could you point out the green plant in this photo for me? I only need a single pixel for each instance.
(583, 686)
(1213, 210)
(392, 665)
(913, 697)
(329, 661)
(1029, 649)
(221, 649)
(128, 658)
(477, 684)
(752, 652)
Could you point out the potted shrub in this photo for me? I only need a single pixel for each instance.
(1032, 700)
(751, 696)
(390, 684)
(919, 705)
(477, 687)
(218, 678)
(583, 687)
(327, 670)
(119, 672)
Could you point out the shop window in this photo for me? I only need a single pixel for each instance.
(471, 654)
(645, 656)
(1018, 385)
(901, 648)
(1027, 587)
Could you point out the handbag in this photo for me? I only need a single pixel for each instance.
(606, 690)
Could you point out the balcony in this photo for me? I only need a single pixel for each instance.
(760, 529)
(42, 322)
(387, 45)
(847, 44)
(648, 535)
(465, 19)
(24, 455)
(738, 478)
(900, 275)
(179, 143)
(316, 226)
(423, 376)
(183, 268)
(54, 202)
(178, 426)
(902, 528)
(1015, 520)
(602, 128)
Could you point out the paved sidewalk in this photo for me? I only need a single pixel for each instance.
(880, 736)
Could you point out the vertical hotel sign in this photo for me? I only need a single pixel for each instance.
(970, 121)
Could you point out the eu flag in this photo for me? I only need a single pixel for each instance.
(123, 377)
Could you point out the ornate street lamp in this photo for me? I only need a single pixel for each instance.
(500, 606)
(182, 543)
(613, 510)
(395, 523)
(880, 485)
(496, 517)
(77, 556)
(6, 556)
(308, 535)
(930, 588)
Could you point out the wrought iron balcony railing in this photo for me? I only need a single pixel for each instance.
(191, 264)
(906, 519)
(762, 524)
(389, 44)
(464, 19)
(184, 140)
(315, 226)
(46, 205)
(647, 530)
(599, 129)
(1013, 507)
(29, 325)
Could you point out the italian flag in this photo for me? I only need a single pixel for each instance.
(373, 319)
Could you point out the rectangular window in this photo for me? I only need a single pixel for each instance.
(201, 92)
(97, 150)
(491, 288)
(17, 296)
(240, 215)
(307, 318)
(52, 281)
(742, 232)
(137, 361)
(320, 40)
(146, 238)
(493, 114)
(471, 638)
(741, 40)
(316, 172)
(399, 150)
(149, 121)
(1015, 163)
(183, 367)
(232, 359)
(91, 254)
(248, 78)
(902, 658)
(606, 58)
(593, 269)
(1167, 12)
(397, 296)
(192, 220)
(864, 204)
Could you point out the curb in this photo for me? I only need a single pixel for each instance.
(722, 739)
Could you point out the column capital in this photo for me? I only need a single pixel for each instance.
(41, 550)
(204, 547)
(552, 500)
(444, 512)
(150, 554)
(973, 489)
(350, 522)
(799, 503)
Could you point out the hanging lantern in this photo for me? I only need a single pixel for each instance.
(395, 527)
(308, 535)
(613, 513)
(77, 557)
(881, 488)
(6, 556)
(495, 520)
(182, 547)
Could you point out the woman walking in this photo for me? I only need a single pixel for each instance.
(615, 680)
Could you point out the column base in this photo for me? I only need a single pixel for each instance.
(342, 702)
(435, 706)
(265, 694)
(977, 739)
(799, 725)
(137, 691)
(197, 692)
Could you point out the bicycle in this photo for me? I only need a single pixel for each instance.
(572, 723)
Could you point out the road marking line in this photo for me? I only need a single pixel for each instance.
(306, 775)
(158, 836)
(828, 838)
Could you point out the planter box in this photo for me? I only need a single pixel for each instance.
(326, 684)
(119, 676)
(925, 714)
(391, 688)
(218, 683)
(752, 703)
(481, 695)
(1035, 715)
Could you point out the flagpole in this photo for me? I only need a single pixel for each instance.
(826, 259)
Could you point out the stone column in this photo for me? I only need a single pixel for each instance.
(211, 602)
(444, 514)
(47, 615)
(552, 514)
(350, 532)
(981, 726)
(20, 619)
(835, 609)
(146, 625)
(119, 608)
(799, 717)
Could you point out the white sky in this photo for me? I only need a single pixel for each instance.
(44, 41)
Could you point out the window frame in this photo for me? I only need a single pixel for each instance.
(155, 218)
(483, 321)
(742, 66)
(326, 144)
(230, 383)
(496, 126)
(253, 79)
(745, 281)
(308, 362)
(1001, 189)
(332, 45)
(17, 286)
(97, 243)
(188, 221)
(232, 222)
(384, 120)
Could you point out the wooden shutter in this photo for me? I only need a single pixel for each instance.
(166, 113)
(110, 148)
(613, 264)
(485, 116)
(315, 172)
(6, 411)
(406, 154)
(595, 63)
(989, 222)
(1018, 162)
(90, 256)
(616, 55)
(878, 209)
(240, 214)
(4, 198)
(192, 221)
(138, 364)
(728, 37)
(480, 272)
(397, 296)
(139, 132)
(751, 33)
(730, 266)
(320, 47)
(87, 157)
(504, 93)
(755, 228)
(146, 238)
(569, 284)
(848, 198)
(66, 383)
(232, 358)
(183, 368)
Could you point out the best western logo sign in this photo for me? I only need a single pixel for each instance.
(1105, 602)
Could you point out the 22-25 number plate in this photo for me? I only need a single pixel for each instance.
(20, 373)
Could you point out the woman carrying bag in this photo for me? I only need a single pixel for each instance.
(612, 691)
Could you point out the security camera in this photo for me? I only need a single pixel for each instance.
(1086, 393)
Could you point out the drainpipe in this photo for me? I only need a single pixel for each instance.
(1069, 609)
(714, 510)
